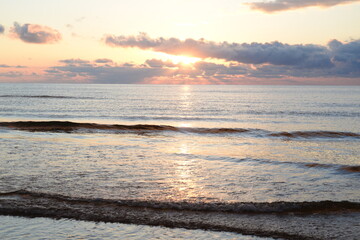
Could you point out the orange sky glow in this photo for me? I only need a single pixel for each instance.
(240, 42)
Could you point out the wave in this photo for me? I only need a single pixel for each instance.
(274, 219)
(229, 207)
(355, 169)
(67, 126)
(349, 169)
(314, 134)
(263, 161)
(42, 96)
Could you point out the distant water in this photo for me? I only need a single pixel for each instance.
(269, 161)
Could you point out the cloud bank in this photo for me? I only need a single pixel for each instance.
(156, 71)
(33, 33)
(283, 5)
(346, 70)
(335, 58)
(274, 53)
(336, 63)
(2, 29)
(152, 71)
(102, 71)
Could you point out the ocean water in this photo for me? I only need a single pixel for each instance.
(264, 161)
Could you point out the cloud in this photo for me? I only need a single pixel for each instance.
(75, 62)
(266, 60)
(33, 33)
(11, 74)
(283, 5)
(274, 53)
(346, 70)
(2, 29)
(213, 69)
(103, 60)
(255, 63)
(157, 63)
(8, 66)
(336, 58)
(346, 57)
(95, 72)
(152, 71)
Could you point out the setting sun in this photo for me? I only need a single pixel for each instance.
(183, 59)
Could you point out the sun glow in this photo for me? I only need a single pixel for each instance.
(183, 59)
(178, 59)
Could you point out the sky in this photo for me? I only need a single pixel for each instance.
(257, 42)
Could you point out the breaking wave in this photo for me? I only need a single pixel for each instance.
(261, 219)
(229, 207)
(66, 126)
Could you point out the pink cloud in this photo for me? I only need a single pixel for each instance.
(34, 33)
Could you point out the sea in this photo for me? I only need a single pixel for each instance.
(93, 161)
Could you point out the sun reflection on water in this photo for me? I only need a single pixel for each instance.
(184, 183)
(185, 88)
(185, 125)
(183, 149)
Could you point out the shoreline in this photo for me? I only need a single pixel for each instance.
(285, 225)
